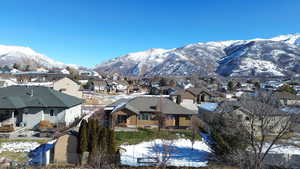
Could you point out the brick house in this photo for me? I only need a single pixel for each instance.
(142, 112)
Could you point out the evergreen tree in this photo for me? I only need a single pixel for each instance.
(93, 126)
(178, 99)
(16, 66)
(83, 137)
(230, 86)
(257, 85)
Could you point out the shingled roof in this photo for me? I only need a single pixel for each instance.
(17, 97)
(150, 104)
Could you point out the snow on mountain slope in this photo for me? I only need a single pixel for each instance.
(277, 56)
(135, 63)
(26, 56)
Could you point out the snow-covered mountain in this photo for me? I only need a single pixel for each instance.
(277, 56)
(10, 55)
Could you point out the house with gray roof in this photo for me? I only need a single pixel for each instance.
(143, 112)
(288, 99)
(28, 105)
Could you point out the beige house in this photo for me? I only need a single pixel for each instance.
(68, 86)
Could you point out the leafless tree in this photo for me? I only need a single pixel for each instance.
(260, 125)
(163, 150)
(160, 116)
(101, 160)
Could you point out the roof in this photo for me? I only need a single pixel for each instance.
(286, 95)
(17, 97)
(152, 104)
(230, 106)
(197, 91)
(99, 82)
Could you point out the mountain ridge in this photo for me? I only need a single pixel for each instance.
(208, 58)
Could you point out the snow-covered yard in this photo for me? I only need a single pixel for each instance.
(181, 152)
(283, 149)
(18, 146)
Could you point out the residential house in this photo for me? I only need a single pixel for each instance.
(189, 98)
(121, 85)
(207, 112)
(88, 73)
(68, 86)
(26, 106)
(100, 85)
(144, 112)
(5, 70)
(288, 99)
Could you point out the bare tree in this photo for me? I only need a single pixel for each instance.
(160, 116)
(163, 150)
(255, 125)
(266, 125)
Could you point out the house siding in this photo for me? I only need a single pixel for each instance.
(32, 117)
(133, 121)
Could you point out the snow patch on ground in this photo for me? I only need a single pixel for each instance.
(184, 154)
(18, 146)
(283, 149)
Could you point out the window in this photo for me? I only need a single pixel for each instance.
(144, 116)
(62, 90)
(188, 118)
(51, 112)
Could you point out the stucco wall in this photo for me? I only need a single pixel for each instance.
(72, 113)
(33, 116)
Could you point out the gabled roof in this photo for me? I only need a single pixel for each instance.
(17, 97)
(197, 91)
(152, 104)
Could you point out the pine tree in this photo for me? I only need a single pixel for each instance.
(93, 127)
(230, 86)
(83, 137)
(178, 99)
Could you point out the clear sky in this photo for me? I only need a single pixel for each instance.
(87, 32)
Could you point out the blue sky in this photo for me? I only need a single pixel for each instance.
(87, 32)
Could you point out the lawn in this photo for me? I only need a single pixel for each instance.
(142, 135)
(20, 157)
(41, 141)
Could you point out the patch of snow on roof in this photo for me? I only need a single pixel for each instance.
(208, 106)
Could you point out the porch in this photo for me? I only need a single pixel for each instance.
(10, 120)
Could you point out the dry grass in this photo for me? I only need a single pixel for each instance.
(40, 141)
(19, 157)
(125, 167)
